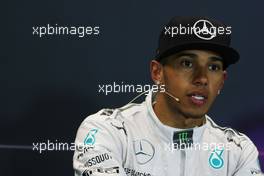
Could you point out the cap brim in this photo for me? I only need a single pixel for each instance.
(229, 54)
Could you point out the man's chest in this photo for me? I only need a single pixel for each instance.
(150, 156)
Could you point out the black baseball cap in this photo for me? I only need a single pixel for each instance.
(184, 33)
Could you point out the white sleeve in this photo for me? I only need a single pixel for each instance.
(99, 149)
(249, 164)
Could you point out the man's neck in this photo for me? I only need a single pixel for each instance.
(172, 118)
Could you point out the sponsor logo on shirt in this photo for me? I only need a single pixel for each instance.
(97, 159)
(215, 160)
(90, 138)
(83, 151)
(101, 170)
(133, 172)
(183, 139)
(144, 151)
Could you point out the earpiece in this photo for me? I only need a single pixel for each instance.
(157, 82)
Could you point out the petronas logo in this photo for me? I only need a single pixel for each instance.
(90, 138)
(216, 159)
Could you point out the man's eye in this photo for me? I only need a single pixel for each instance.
(187, 63)
(214, 67)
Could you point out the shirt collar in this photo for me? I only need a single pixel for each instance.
(167, 132)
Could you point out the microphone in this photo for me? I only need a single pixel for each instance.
(173, 97)
(167, 93)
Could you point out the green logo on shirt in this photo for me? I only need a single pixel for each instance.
(215, 160)
(90, 138)
(183, 137)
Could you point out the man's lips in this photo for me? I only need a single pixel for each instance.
(198, 98)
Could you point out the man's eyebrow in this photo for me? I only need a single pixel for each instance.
(216, 58)
(193, 55)
(186, 54)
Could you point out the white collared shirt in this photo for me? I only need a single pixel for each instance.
(132, 141)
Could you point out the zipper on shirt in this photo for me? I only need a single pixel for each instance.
(183, 163)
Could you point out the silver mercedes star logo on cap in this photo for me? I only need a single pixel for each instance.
(204, 29)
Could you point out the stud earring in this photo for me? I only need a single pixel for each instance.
(157, 82)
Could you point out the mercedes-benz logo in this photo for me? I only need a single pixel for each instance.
(204, 29)
(144, 151)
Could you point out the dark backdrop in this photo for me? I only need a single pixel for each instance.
(50, 84)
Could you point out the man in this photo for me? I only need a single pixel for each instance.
(169, 134)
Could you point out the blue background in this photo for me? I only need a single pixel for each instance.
(50, 84)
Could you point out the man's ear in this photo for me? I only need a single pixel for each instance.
(156, 71)
(225, 75)
(223, 81)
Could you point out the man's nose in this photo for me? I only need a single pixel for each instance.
(200, 77)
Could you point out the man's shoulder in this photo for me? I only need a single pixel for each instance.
(229, 135)
(116, 115)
